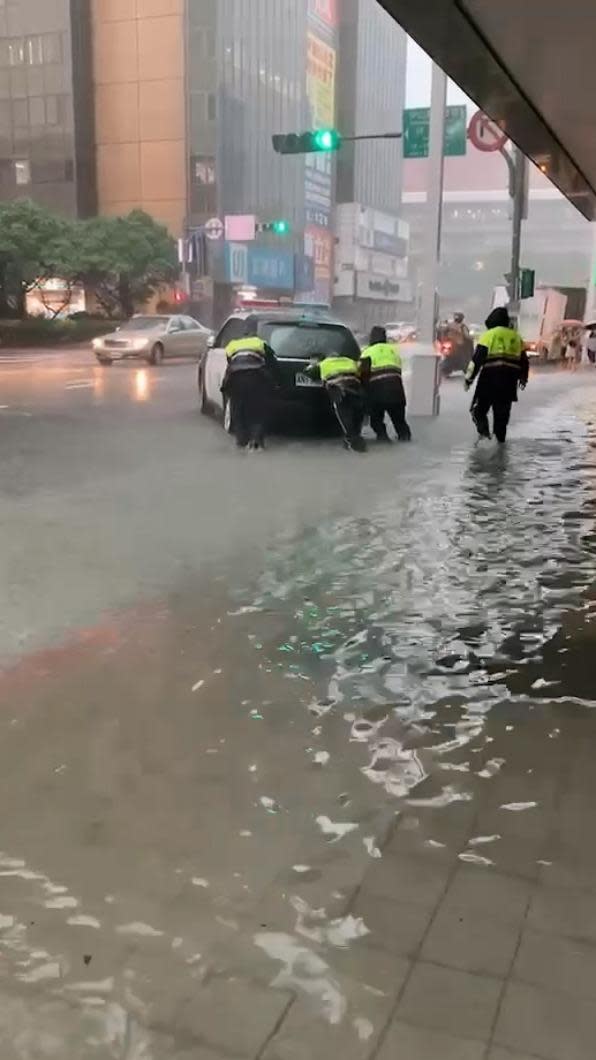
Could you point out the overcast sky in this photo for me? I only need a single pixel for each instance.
(419, 77)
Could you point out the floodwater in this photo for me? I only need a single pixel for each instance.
(200, 797)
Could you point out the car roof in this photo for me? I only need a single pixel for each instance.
(285, 315)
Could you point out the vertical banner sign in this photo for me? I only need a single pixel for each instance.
(321, 71)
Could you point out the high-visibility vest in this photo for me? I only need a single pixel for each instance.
(504, 345)
(385, 360)
(338, 370)
(246, 353)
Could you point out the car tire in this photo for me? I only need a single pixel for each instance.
(156, 355)
(106, 362)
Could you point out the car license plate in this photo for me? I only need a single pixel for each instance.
(305, 380)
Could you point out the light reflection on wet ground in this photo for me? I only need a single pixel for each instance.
(225, 802)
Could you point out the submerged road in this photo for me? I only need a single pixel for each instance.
(296, 747)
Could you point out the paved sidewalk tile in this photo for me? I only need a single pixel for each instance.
(471, 942)
(503, 898)
(237, 1016)
(551, 1025)
(506, 1054)
(407, 879)
(557, 963)
(449, 1000)
(398, 927)
(414, 1043)
(564, 912)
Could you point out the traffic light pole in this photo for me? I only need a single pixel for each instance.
(429, 301)
(519, 175)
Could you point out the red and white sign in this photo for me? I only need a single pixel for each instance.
(240, 228)
(214, 229)
(485, 134)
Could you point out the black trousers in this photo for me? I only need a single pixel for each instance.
(501, 410)
(388, 399)
(348, 405)
(249, 394)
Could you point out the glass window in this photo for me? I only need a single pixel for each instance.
(37, 111)
(52, 48)
(16, 52)
(52, 117)
(22, 172)
(211, 107)
(234, 329)
(20, 113)
(309, 340)
(144, 323)
(34, 50)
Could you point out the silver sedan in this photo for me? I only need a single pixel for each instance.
(153, 338)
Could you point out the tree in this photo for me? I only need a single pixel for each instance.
(34, 246)
(125, 260)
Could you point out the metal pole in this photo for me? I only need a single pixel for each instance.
(519, 212)
(429, 302)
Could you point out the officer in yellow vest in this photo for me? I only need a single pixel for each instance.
(341, 379)
(251, 373)
(381, 371)
(500, 363)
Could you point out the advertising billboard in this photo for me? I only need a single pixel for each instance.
(321, 77)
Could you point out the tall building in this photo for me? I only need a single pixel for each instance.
(371, 260)
(46, 104)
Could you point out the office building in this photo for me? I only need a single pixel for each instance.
(371, 269)
(46, 104)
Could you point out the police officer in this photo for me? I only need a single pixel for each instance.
(341, 379)
(251, 374)
(500, 364)
(381, 372)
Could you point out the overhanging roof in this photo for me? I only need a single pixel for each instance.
(530, 66)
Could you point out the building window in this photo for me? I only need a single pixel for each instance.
(52, 48)
(22, 172)
(37, 111)
(20, 113)
(16, 53)
(211, 107)
(34, 50)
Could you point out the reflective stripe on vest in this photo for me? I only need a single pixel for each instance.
(385, 360)
(334, 369)
(504, 346)
(249, 350)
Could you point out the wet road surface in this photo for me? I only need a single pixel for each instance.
(297, 749)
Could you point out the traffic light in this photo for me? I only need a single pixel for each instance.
(307, 143)
(527, 283)
(280, 227)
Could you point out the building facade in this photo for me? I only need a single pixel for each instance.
(371, 269)
(46, 104)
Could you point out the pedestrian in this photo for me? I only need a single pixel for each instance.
(251, 374)
(341, 379)
(571, 354)
(500, 363)
(381, 374)
(591, 346)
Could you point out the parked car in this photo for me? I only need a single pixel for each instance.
(296, 336)
(153, 338)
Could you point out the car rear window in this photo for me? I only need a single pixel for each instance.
(309, 340)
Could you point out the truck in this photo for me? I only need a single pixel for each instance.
(539, 320)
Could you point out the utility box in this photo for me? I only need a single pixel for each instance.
(422, 380)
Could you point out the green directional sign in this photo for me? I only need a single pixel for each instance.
(416, 128)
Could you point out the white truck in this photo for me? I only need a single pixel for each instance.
(539, 319)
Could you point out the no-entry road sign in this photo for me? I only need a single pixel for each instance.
(485, 134)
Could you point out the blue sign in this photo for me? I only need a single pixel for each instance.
(271, 268)
(256, 266)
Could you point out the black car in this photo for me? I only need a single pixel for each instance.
(296, 337)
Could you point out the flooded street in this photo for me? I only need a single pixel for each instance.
(297, 748)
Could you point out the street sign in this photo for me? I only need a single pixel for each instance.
(240, 228)
(214, 229)
(416, 131)
(485, 134)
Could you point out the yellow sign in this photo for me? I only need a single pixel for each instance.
(321, 71)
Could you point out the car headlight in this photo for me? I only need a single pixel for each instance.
(139, 344)
(97, 344)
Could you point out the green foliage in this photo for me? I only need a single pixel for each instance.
(37, 331)
(123, 260)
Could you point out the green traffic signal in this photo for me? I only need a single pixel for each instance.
(307, 143)
(281, 228)
(327, 140)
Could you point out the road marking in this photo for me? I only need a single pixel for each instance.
(83, 385)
